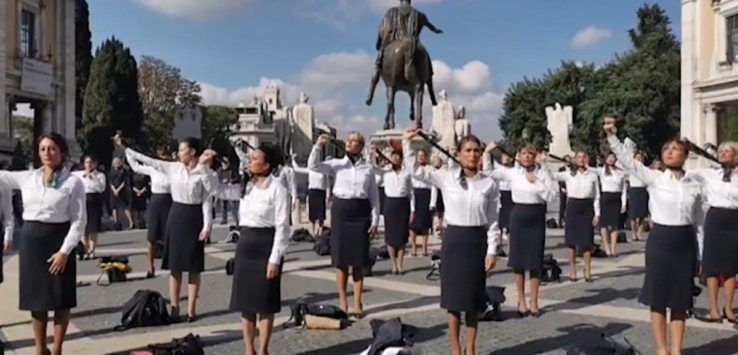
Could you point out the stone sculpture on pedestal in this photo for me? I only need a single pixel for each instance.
(462, 127)
(560, 121)
(303, 123)
(444, 122)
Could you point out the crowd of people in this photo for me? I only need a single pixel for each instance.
(485, 202)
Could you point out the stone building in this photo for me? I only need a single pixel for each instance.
(37, 64)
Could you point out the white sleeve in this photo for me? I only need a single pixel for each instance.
(597, 199)
(281, 225)
(493, 229)
(316, 165)
(434, 177)
(373, 194)
(631, 165)
(12, 180)
(6, 198)
(160, 165)
(77, 213)
(207, 213)
(100, 181)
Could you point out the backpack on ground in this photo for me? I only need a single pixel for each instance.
(301, 308)
(597, 252)
(189, 345)
(551, 270)
(145, 308)
(551, 224)
(323, 244)
(383, 252)
(435, 271)
(230, 264)
(301, 235)
(495, 299)
(115, 267)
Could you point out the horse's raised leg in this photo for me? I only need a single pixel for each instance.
(412, 106)
(419, 92)
(389, 119)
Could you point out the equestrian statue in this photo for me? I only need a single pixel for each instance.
(402, 61)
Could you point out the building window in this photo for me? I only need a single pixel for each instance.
(28, 33)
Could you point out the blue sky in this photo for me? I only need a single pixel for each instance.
(325, 47)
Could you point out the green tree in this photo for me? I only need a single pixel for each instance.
(163, 93)
(83, 55)
(217, 124)
(111, 99)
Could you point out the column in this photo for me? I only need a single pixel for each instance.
(708, 132)
(688, 67)
(4, 104)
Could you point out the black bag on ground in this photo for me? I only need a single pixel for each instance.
(189, 345)
(145, 308)
(551, 224)
(597, 252)
(301, 235)
(390, 333)
(323, 244)
(383, 252)
(230, 264)
(301, 308)
(551, 270)
(495, 298)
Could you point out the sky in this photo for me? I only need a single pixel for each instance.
(326, 48)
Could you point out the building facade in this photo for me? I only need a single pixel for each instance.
(709, 71)
(37, 64)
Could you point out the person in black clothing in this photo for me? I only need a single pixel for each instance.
(139, 198)
(562, 194)
(119, 182)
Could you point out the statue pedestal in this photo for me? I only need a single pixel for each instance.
(383, 138)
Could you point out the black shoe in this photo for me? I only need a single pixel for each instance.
(536, 314)
(730, 320)
(708, 319)
(191, 319)
(174, 315)
(150, 275)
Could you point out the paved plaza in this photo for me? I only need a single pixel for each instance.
(574, 313)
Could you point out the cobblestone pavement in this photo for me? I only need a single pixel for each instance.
(574, 313)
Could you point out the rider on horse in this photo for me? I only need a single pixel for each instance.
(401, 23)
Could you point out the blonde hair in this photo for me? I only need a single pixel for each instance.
(729, 145)
(358, 136)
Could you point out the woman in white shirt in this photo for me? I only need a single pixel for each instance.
(54, 215)
(398, 187)
(720, 256)
(265, 231)
(671, 247)
(159, 205)
(354, 213)
(506, 202)
(190, 220)
(582, 212)
(317, 197)
(436, 202)
(94, 182)
(637, 203)
(532, 188)
(421, 219)
(612, 180)
(469, 241)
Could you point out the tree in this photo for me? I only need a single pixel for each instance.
(217, 129)
(163, 93)
(111, 99)
(83, 55)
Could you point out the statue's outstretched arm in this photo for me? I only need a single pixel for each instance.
(379, 42)
(430, 25)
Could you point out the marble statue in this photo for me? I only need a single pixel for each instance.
(560, 120)
(303, 123)
(462, 127)
(444, 122)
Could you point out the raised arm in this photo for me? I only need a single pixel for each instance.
(631, 165)
(77, 213)
(498, 172)
(314, 162)
(160, 165)
(13, 180)
(429, 176)
(139, 168)
(298, 169)
(281, 225)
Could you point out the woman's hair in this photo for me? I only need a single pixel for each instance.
(58, 140)
(608, 170)
(528, 147)
(396, 152)
(359, 136)
(193, 143)
(91, 157)
(272, 155)
(730, 145)
(467, 139)
(682, 144)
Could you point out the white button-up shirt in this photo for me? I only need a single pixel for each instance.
(471, 207)
(523, 191)
(672, 201)
(583, 185)
(159, 181)
(6, 206)
(719, 194)
(188, 188)
(420, 184)
(285, 175)
(266, 207)
(351, 181)
(634, 181)
(64, 202)
(397, 183)
(94, 182)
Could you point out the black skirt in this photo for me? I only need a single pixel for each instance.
(720, 257)
(40, 291)
(463, 278)
(423, 220)
(396, 221)
(440, 207)
(122, 200)
(637, 203)
(527, 237)
(578, 231)
(138, 203)
(157, 215)
(506, 204)
(94, 212)
(671, 260)
(184, 251)
(316, 205)
(611, 205)
(382, 197)
(350, 223)
(252, 292)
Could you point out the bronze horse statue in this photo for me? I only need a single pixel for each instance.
(402, 71)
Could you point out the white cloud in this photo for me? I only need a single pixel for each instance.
(382, 5)
(472, 77)
(329, 71)
(589, 37)
(196, 9)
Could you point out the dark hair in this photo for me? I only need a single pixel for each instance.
(679, 142)
(469, 138)
(58, 140)
(272, 155)
(608, 170)
(91, 157)
(193, 143)
(396, 152)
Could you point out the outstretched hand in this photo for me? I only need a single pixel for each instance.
(609, 126)
(323, 140)
(410, 133)
(491, 146)
(206, 158)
